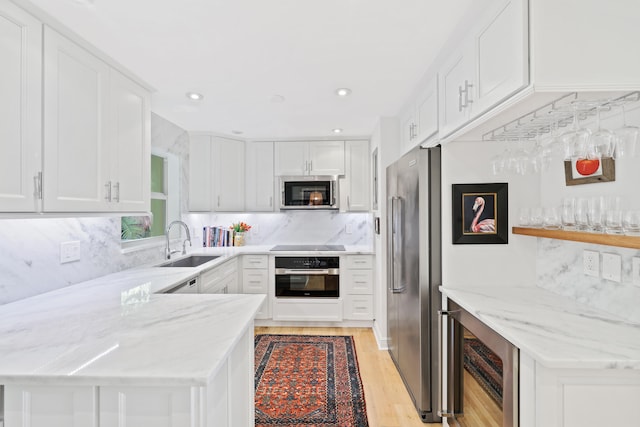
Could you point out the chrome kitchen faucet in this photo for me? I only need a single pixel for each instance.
(168, 250)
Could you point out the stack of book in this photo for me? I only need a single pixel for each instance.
(216, 236)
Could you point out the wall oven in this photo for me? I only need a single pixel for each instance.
(309, 192)
(307, 277)
(482, 375)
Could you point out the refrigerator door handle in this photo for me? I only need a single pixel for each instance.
(396, 245)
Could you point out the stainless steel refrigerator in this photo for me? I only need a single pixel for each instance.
(414, 274)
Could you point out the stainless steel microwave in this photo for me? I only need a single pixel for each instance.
(309, 192)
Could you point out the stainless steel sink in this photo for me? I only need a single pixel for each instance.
(190, 261)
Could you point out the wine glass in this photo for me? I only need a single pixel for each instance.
(575, 140)
(601, 142)
(627, 139)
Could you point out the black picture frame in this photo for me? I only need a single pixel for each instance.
(491, 225)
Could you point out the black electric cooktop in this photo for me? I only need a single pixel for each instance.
(309, 248)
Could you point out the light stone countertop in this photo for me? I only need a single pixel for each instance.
(556, 331)
(119, 329)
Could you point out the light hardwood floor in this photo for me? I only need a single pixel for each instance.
(388, 402)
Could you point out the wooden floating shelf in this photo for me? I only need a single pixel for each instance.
(619, 240)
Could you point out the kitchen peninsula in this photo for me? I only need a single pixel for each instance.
(113, 351)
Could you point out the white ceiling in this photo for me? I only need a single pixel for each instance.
(240, 53)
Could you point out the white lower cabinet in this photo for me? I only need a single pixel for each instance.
(226, 401)
(50, 406)
(356, 287)
(220, 280)
(255, 280)
(146, 406)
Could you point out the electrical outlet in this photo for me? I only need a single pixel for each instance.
(612, 267)
(635, 270)
(591, 260)
(69, 251)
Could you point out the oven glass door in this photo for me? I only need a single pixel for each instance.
(482, 373)
(310, 283)
(308, 193)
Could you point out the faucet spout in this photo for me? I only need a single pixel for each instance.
(168, 250)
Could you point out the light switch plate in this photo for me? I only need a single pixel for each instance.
(635, 270)
(69, 251)
(591, 260)
(612, 267)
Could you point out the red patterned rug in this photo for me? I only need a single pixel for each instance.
(485, 367)
(308, 380)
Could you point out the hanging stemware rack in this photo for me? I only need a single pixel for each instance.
(555, 115)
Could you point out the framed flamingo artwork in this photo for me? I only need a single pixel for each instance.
(480, 213)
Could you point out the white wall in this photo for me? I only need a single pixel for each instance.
(466, 266)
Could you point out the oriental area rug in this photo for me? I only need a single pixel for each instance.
(308, 380)
(485, 367)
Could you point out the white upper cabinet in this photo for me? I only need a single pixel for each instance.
(216, 177)
(228, 168)
(76, 154)
(21, 105)
(130, 142)
(96, 133)
(487, 67)
(309, 158)
(419, 121)
(259, 185)
(355, 190)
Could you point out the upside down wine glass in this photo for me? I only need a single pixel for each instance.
(627, 139)
(574, 141)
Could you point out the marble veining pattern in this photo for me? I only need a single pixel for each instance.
(556, 331)
(559, 267)
(292, 227)
(115, 329)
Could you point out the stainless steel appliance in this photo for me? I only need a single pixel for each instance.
(309, 192)
(461, 326)
(307, 276)
(414, 274)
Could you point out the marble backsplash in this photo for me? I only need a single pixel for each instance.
(560, 270)
(292, 227)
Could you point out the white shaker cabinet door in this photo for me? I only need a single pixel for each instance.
(131, 145)
(228, 173)
(20, 106)
(76, 152)
(259, 177)
(50, 406)
(456, 83)
(129, 406)
(326, 158)
(291, 158)
(358, 176)
(502, 54)
(427, 111)
(200, 173)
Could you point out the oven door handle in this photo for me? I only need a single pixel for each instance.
(310, 272)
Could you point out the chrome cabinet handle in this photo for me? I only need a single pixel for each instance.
(270, 201)
(107, 187)
(467, 98)
(37, 186)
(116, 187)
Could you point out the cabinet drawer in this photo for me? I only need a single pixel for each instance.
(255, 281)
(255, 261)
(358, 282)
(359, 261)
(210, 278)
(358, 307)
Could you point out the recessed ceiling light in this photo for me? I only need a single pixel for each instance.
(337, 130)
(237, 132)
(343, 91)
(276, 99)
(195, 96)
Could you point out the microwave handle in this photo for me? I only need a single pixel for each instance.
(333, 193)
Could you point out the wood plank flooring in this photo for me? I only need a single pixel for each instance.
(388, 402)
